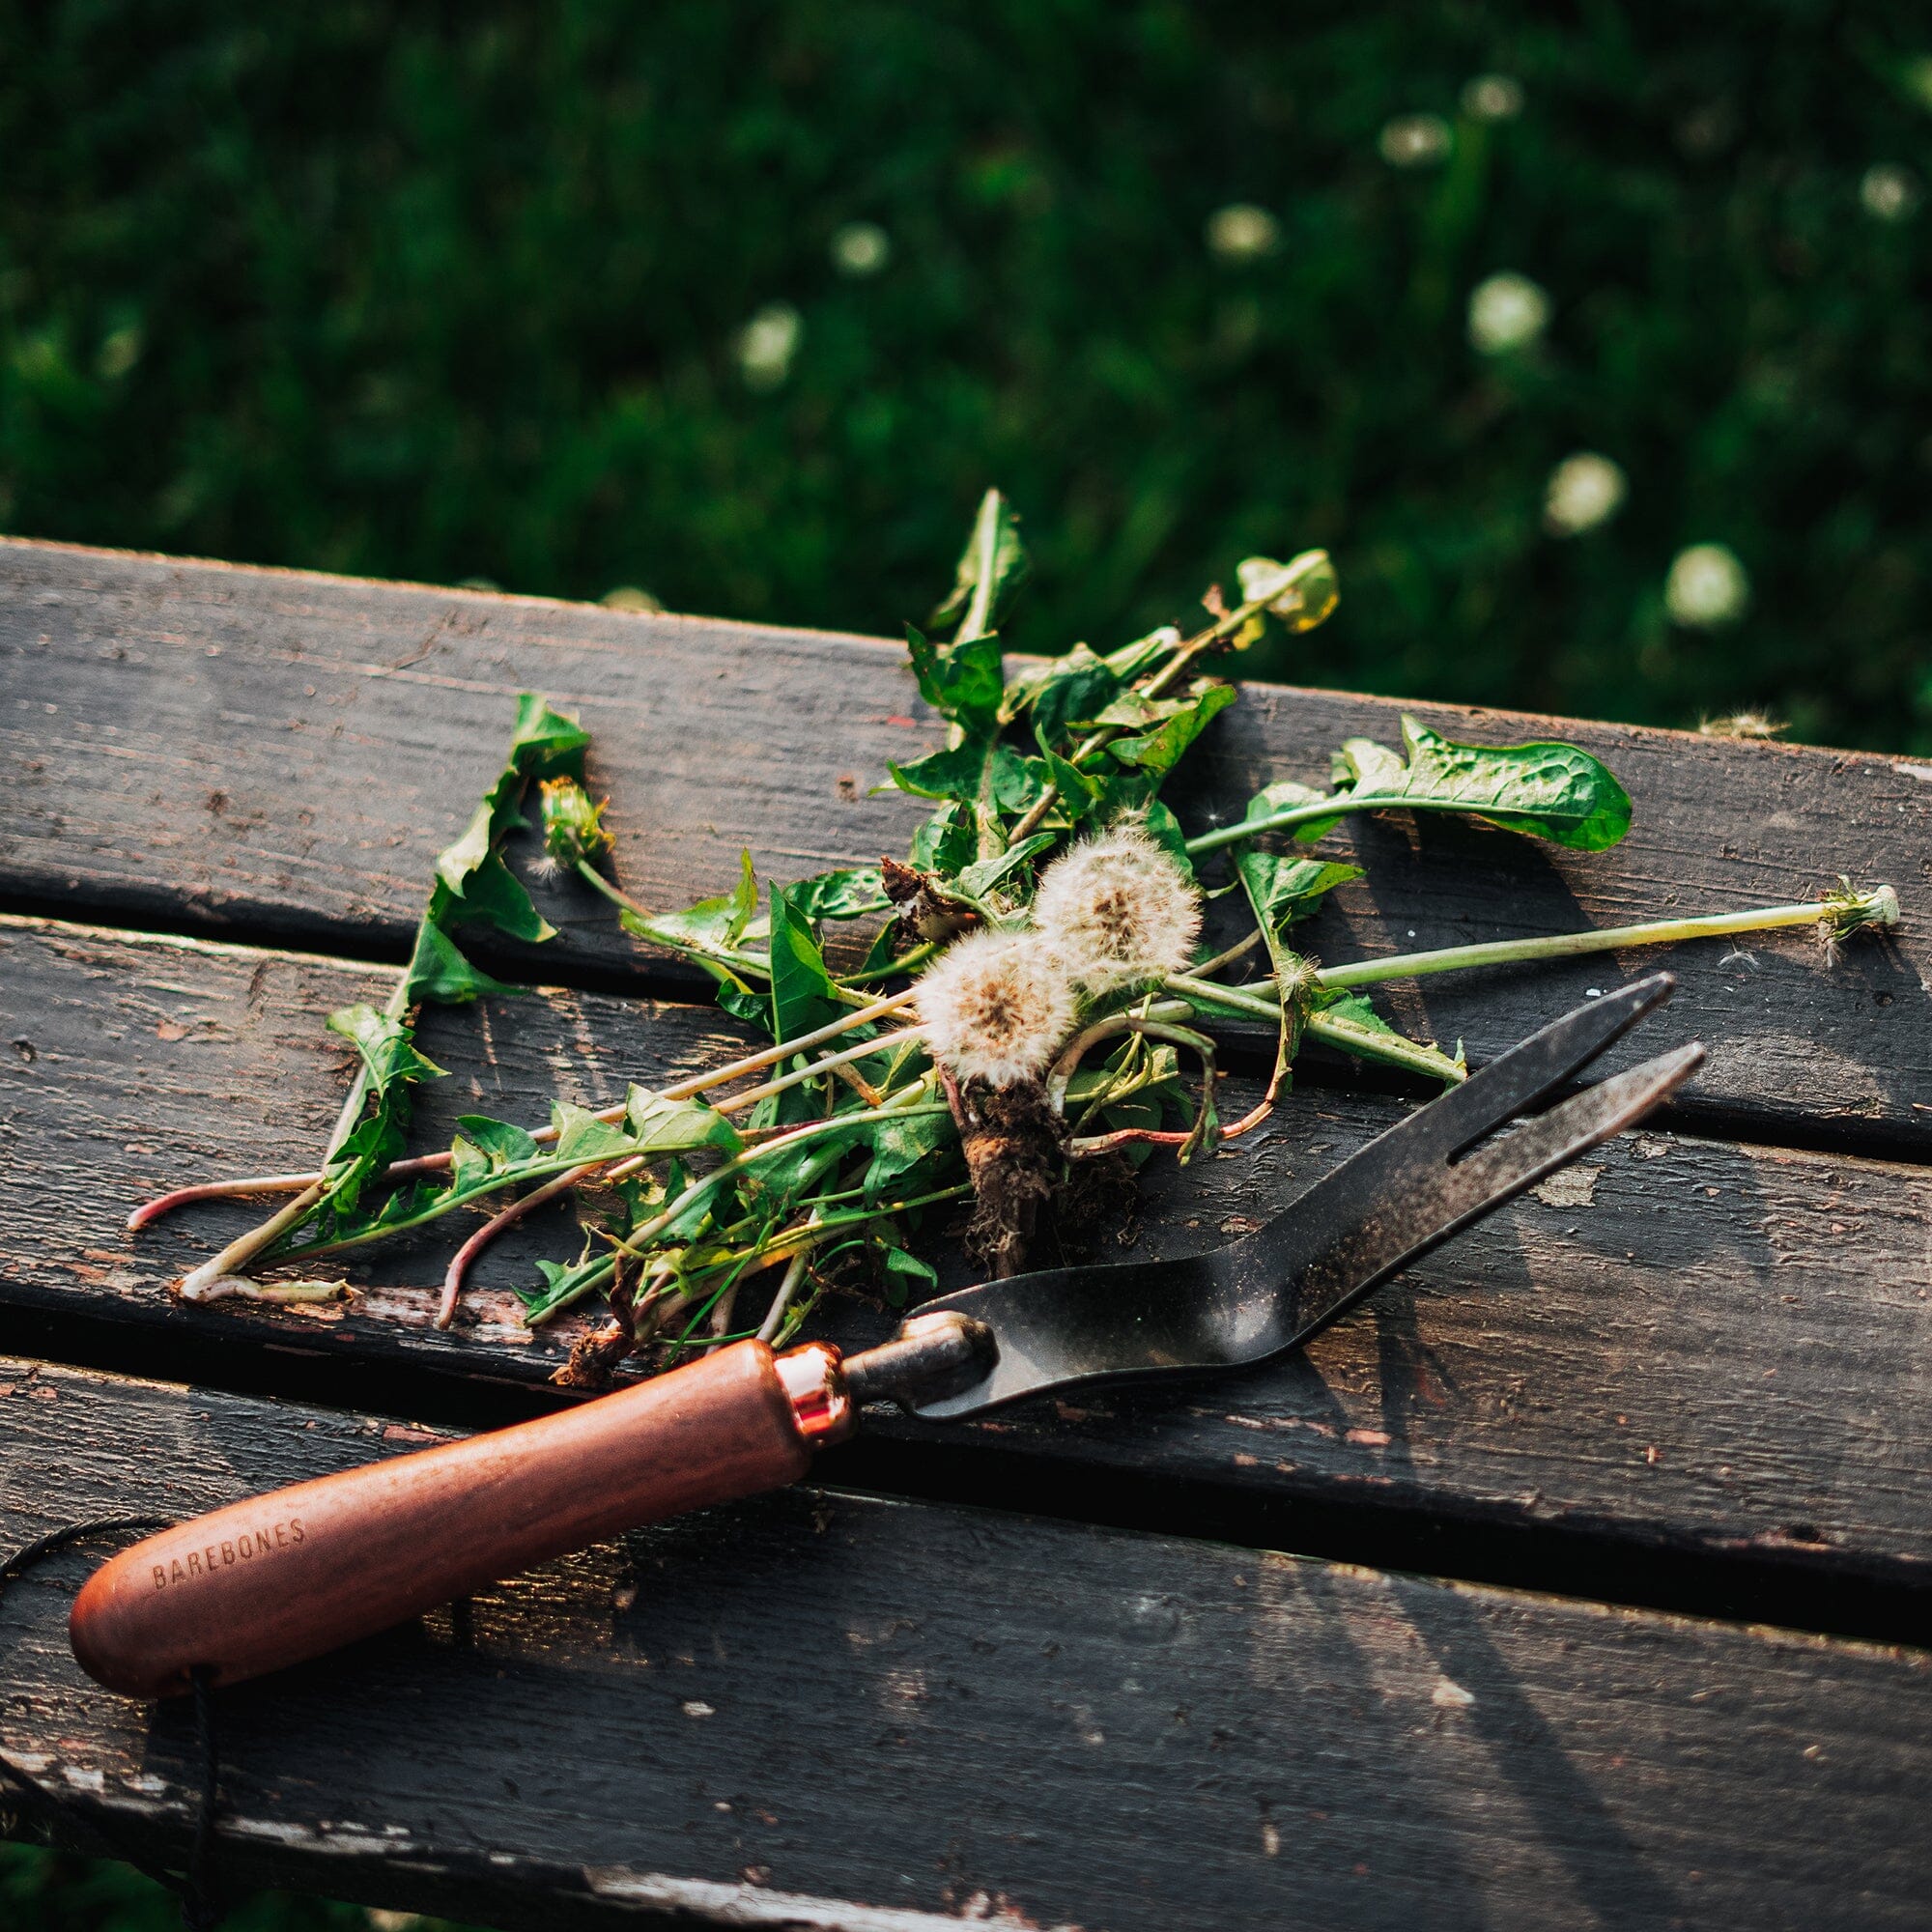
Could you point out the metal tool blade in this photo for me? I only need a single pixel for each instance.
(1410, 1188)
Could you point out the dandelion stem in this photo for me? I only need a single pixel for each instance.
(1242, 999)
(1109, 1028)
(1334, 1028)
(219, 1190)
(794, 1277)
(1570, 945)
(906, 962)
(437, 1163)
(237, 1253)
(1208, 968)
(459, 1262)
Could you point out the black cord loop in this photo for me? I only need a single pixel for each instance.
(194, 1888)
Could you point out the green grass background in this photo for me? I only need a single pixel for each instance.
(456, 292)
(42, 1892)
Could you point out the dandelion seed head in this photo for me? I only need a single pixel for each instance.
(1242, 232)
(1506, 312)
(861, 249)
(1120, 909)
(1742, 725)
(1414, 141)
(1707, 587)
(767, 345)
(1492, 96)
(1583, 491)
(996, 1006)
(1888, 193)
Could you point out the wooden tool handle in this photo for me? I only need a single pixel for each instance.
(270, 1582)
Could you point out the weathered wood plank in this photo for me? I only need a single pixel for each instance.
(1699, 1345)
(280, 756)
(825, 1710)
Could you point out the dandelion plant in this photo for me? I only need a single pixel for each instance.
(1027, 1011)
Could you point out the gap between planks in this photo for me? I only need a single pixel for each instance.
(1497, 1409)
(378, 713)
(819, 1708)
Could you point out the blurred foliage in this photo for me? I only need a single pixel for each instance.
(50, 1892)
(449, 293)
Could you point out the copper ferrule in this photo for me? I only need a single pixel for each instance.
(814, 1379)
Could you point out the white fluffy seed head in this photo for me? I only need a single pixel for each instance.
(996, 1006)
(1118, 909)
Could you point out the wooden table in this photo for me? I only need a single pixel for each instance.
(1613, 1518)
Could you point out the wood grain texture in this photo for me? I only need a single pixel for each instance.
(828, 1710)
(1691, 1345)
(280, 756)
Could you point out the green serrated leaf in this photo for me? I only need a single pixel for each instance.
(581, 1136)
(506, 1145)
(494, 895)
(1078, 793)
(1285, 795)
(977, 880)
(964, 682)
(439, 973)
(1143, 654)
(739, 1000)
(991, 568)
(711, 925)
(944, 842)
(368, 1148)
(981, 773)
(658, 1126)
(387, 1046)
(849, 894)
(1164, 829)
(1063, 692)
(544, 744)
(1280, 890)
(1283, 890)
(1548, 790)
(1161, 748)
(901, 1146)
(803, 996)
(907, 1271)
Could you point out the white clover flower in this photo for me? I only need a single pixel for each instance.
(1414, 140)
(767, 344)
(1507, 311)
(1707, 587)
(996, 1006)
(1584, 490)
(1492, 96)
(1242, 232)
(861, 249)
(1118, 909)
(1888, 193)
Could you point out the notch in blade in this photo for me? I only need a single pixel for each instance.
(1415, 1186)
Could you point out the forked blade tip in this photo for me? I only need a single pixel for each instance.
(1652, 990)
(1653, 1082)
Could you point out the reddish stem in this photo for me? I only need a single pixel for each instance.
(219, 1190)
(458, 1263)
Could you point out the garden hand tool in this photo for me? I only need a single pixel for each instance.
(257, 1585)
